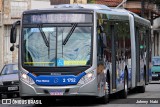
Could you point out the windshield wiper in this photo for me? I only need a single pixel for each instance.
(43, 36)
(70, 33)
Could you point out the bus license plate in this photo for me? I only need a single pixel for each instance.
(56, 93)
(155, 75)
(12, 88)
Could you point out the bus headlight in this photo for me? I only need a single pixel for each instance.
(88, 77)
(26, 78)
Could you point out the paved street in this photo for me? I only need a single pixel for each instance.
(152, 92)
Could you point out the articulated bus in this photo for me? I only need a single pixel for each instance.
(82, 50)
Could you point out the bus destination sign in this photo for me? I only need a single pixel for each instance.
(57, 18)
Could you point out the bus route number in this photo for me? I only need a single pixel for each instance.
(69, 80)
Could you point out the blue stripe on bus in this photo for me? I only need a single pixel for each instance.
(61, 80)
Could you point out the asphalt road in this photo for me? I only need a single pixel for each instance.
(148, 99)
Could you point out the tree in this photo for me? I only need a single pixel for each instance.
(91, 1)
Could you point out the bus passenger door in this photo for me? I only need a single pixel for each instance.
(137, 56)
(101, 78)
(148, 56)
(112, 27)
(141, 49)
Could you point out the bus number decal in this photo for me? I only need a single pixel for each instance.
(71, 80)
(64, 80)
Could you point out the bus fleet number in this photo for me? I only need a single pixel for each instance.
(69, 80)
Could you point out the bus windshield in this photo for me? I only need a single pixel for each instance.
(57, 46)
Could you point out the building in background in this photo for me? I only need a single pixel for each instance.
(10, 11)
(149, 9)
(36, 4)
(109, 3)
(78, 1)
(1, 37)
(156, 37)
(56, 2)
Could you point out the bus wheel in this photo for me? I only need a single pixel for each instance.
(124, 92)
(141, 89)
(104, 99)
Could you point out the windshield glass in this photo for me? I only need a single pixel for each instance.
(156, 61)
(45, 46)
(10, 69)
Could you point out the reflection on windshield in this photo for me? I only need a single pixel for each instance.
(76, 51)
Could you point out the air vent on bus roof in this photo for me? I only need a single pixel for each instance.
(86, 6)
(67, 6)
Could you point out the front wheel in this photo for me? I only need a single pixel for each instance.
(105, 98)
(141, 89)
(124, 92)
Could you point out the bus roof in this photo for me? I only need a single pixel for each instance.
(85, 6)
(137, 17)
(72, 7)
(90, 7)
(79, 6)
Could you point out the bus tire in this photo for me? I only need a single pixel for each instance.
(108, 82)
(124, 92)
(145, 79)
(104, 99)
(141, 89)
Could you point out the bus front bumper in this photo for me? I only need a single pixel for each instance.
(88, 89)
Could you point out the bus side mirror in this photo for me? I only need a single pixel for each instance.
(13, 34)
